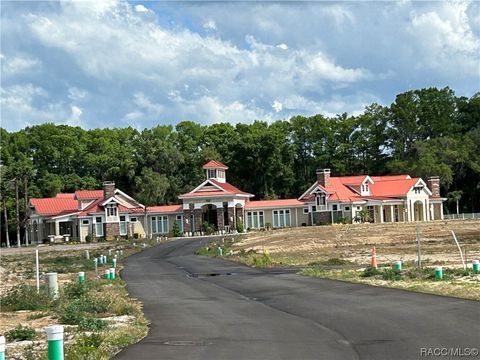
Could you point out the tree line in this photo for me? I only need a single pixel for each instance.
(423, 132)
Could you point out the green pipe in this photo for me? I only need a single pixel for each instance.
(107, 274)
(55, 342)
(112, 274)
(397, 265)
(81, 277)
(114, 263)
(438, 273)
(476, 266)
(2, 347)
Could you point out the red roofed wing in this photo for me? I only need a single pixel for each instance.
(213, 164)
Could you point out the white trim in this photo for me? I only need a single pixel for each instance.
(425, 187)
(186, 196)
(284, 218)
(129, 197)
(204, 183)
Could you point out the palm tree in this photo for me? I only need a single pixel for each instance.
(455, 196)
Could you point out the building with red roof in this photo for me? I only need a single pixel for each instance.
(216, 204)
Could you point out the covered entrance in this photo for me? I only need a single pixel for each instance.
(209, 216)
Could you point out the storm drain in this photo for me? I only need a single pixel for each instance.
(205, 275)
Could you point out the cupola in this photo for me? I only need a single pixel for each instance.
(215, 170)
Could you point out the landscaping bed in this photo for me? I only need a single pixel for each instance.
(98, 315)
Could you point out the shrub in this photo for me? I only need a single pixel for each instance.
(74, 290)
(331, 261)
(88, 238)
(268, 226)
(21, 333)
(25, 297)
(239, 226)
(91, 323)
(208, 228)
(176, 230)
(391, 274)
(75, 311)
(370, 271)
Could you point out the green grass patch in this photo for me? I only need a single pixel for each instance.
(331, 262)
(21, 333)
(25, 297)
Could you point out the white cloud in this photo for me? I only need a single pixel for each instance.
(76, 94)
(19, 64)
(282, 46)
(210, 25)
(141, 9)
(26, 104)
(277, 106)
(143, 102)
(445, 39)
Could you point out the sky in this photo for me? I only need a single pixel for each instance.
(116, 64)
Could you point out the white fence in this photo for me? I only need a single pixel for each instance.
(461, 216)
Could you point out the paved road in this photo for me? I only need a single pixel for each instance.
(252, 314)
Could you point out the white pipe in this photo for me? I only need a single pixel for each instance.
(460, 250)
(37, 266)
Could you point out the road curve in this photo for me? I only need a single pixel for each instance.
(203, 308)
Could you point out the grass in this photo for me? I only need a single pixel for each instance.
(456, 282)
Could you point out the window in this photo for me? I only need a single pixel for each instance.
(320, 200)
(123, 225)
(314, 208)
(305, 210)
(111, 210)
(418, 189)
(179, 221)
(85, 222)
(334, 207)
(255, 219)
(281, 218)
(212, 173)
(98, 226)
(133, 219)
(347, 208)
(159, 224)
(221, 174)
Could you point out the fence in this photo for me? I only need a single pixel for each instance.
(461, 216)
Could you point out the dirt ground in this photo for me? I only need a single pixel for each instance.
(354, 242)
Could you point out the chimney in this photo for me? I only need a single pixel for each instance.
(433, 183)
(108, 189)
(323, 177)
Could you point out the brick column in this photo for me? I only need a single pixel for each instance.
(198, 213)
(220, 224)
(112, 230)
(231, 214)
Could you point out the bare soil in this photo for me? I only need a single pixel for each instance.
(354, 242)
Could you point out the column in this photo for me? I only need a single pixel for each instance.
(427, 206)
(424, 207)
(381, 213)
(220, 223)
(57, 227)
(392, 213)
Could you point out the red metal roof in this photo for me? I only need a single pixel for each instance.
(165, 209)
(273, 203)
(392, 188)
(65, 195)
(389, 177)
(225, 189)
(88, 194)
(213, 164)
(54, 206)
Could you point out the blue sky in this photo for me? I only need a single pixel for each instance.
(139, 64)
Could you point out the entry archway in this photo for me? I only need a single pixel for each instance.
(418, 214)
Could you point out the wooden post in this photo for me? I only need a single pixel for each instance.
(419, 255)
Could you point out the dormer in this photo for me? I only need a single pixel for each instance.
(365, 186)
(215, 170)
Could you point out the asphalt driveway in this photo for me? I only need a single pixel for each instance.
(203, 308)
